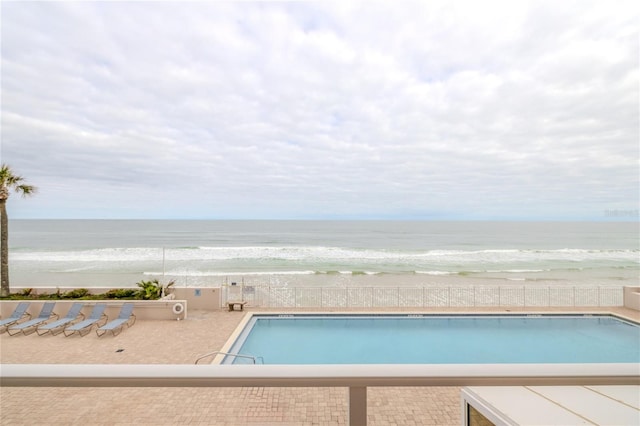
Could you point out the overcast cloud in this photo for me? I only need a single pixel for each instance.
(422, 110)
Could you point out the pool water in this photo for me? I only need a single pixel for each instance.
(410, 339)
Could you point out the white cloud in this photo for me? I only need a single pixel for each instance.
(417, 109)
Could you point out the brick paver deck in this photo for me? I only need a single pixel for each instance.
(180, 342)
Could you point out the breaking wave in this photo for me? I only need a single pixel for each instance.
(324, 254)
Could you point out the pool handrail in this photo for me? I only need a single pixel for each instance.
(253, 358)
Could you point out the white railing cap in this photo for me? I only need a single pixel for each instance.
(182, 375)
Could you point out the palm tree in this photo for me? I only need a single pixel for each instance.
(8, 181)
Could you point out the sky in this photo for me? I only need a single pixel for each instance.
(430, 110)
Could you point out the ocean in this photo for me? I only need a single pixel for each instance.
(119, 253)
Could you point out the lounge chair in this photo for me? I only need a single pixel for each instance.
(115, 327)
(97, 315)
(72, 315)
(29, 327)
(18, 313)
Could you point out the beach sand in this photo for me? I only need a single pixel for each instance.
(88, 279)
(180, 342)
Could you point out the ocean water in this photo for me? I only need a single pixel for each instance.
(110, 253)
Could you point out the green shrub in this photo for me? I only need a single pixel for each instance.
(120, 293)
(148, 290)
(47, 296)
(76, 293)
(151, 290)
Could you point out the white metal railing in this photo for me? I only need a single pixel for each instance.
(356, 377)
(424, 297)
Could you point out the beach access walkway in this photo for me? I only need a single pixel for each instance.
(181, 342)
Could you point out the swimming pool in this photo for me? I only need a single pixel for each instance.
(436, 339)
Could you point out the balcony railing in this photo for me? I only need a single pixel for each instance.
(356, 377)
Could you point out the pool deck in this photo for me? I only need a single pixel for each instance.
(180, 342)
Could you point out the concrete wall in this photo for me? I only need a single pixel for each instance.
(193, 298)
(207, 298)
(632, 298)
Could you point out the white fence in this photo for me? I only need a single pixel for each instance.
(424, 297)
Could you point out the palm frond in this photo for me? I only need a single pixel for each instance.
(9, 180)
(7, 177)
(26, 190)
